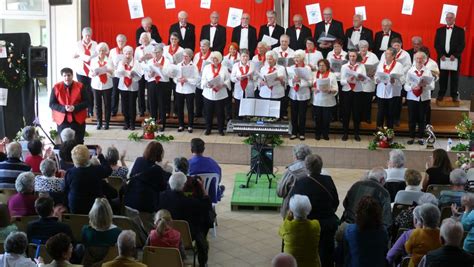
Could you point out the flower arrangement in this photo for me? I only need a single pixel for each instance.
(149, 128)
(267, 139)
(134, 136)
(383, 138)
(15, 76)
(464, 160)
(465, 134)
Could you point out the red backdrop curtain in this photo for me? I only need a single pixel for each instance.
(111, 17)
(423, 22)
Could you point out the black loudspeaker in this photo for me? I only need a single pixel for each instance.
(38, 62)
(60, 2)
(262, 156)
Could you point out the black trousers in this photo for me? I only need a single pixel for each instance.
(212, 107)
(322, 118)
(366, 106)
(453, 77)
(129, 106)
(80, 129)
(338, 109)
(417, 117)
(284, 102)
(237, 108)
(170, 90)
(228, 103)
(298, 116)
(385, 112)
(115, 96)
(202, 246)
(141, 95)
(326, 240)
(351, 102)
(397, 108)
(106, 96)
(199, 99)
(157, 93)
(86, 82)
(179, 100)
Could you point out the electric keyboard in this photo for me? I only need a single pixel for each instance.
(258, 127)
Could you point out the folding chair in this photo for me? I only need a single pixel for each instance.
(95, 256)
(33, 249)
(436, 189)
(23, 221)
(212, 190)
(125, 223)
(183, 228)
(6, 194)
(76, 222)
(158, 256)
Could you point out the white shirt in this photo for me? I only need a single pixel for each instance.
(402, 57)
(304, 91)
(372, 59)
(345, 78)
(207, 75)
(395, 174)
(288, 53)
(206, 61)
(256, 62)
(278, 90)
(149, 76)
(327, 25)
(355, 37)
(384, 43)
(142, 50)
(212, 32)
(79, 62)
(238, 71)
(331, 55)
(447, 43)
(189, 87)
(15, 260)
(312, 59)
(426, 93)
(322, 99)
(121, 73)
(298, 32)
(270, 30)
(244, 38)
(182, 30)
(390, 90)
(167, 54)
(96, 83)
(231, 59)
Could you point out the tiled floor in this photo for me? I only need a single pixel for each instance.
(250, 238)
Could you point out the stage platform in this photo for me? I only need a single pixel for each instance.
(257, 196)
(443, 120)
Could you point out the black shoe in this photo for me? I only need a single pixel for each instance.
(317, 137)
(221, 133)
(106, 127)
(292, 137)
(326, 138)
(132, 127)
(190, 130)
(180, 129)
(345, 137)
(411, 141)
(421, 142)
(240, 134)
(207, 132)
(99, 126)
(357, 138)
(125, 127)
(142, 114)
(302, 138)
(161, 129)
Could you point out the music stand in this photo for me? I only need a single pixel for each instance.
(258, 166)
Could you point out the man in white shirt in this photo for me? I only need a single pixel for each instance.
(384, 37)
(245, 35)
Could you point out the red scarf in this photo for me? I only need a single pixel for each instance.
(353, 68)
(162, 61)
(398, 55)
(126, 80)
(119, 50)
(417, 92)
(215, 73)
(337, 56)
(103, 77)
(261, 58)
(283, 54)
(364, 60)
(202, 58)
(310, 52)
(171, 50)
(297, 86)
(318, 76)
(392, 65)
(87, 52)
(243, 82)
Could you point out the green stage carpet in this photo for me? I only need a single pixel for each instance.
(257, 195)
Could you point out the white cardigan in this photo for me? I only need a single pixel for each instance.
(304, 92)
(345, 77)
(235, 76)
(208, 75)
(322, 99)
(278, 91)
(95, 81)
(426, 93)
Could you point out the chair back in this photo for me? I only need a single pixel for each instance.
(405, 262)
(397, 208)
(32, 248)
(394, 187)
(116, 182)
(95, 256)
(445, 213)
(76, 222)
(6, 194)
(125, 223)
(22, 222)
(436, 189)
(211, 183)
(183, 228)
(158, 256)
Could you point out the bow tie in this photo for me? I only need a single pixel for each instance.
(245, 27)
(183, 26)
(386, 34)
(271, 25)
(214, 25)
(357, 29)
(328, 23)
(298, 28)
(449, 27)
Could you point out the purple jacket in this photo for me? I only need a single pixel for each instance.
(398, 249)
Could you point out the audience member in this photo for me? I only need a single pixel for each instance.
(23, 202)
(47, 225)
(301, 235)
(127, 252)
(412, 191)
(3, 151)
(47, 182)
(284, 260)
(324, 199)
(28, 133)
(60, 248)
(6, 226)
(35, 147)
(437, 169)
(405, 217)
(67, 134)
(396, 166)
(113, 157)
(78, 180)
(426, 238)
(100, 232)
(12, 167)
(15, 248)
(164, 235)
(65, 155)
(458, 180)
(192, 187)
(365, 242)
(467, 220)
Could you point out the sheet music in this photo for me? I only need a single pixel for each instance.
(357, 75)
(286, 61)
(383, 77)
(178, 57)
(259, 107)
(136, 74)
(271, 79)
(173, 70)
(303, 73)
(323, 85)
(370, 69)
(156, 70)
(269, 40)
(187, 72)
(257, 65)
(448, 64)
(336, 64)
(247, 107)
(413, 78)
(215, 82)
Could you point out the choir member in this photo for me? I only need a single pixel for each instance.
(387, 91)
(173, 53)
(101, 72)
(328, 26)
(449, 44)
(84, 52)
(185, 90)
(260, 59)
(158, 85)
(312, 54)
(245, 35)
(336, 57)
(370, 61)
(416, 44)
(215, 33)
(271, 29)
(418, 96)
(433, 67)
(352, 77)
(357, 33)
(129, 71)
(243, 73)
(215, 94)
(324, 99)
(284, 51)
(186, 30)
(274, 91)
(148, 26)
(116, 56)
(229, 61)
(200, 60)
(142, 54)
(384, 37)
(298, 33)
(299, 94)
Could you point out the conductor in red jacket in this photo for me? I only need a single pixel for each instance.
(68, 102)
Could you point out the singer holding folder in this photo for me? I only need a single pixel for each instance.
(243, 77)
(272, 79)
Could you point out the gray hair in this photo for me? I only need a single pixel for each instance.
(25, 182)
(468, 200)
(157, 48)
(112, 156)
(430, 215)
(363, 43)
(102, 45)
(397, 158)
(299, 54)
(272, 54)
(417, 220)
(452, 232)
(392, 50)
(143, 35)
(387, 21)
(458, 177)
(300, 151)
(182, 13)
(68, 134)
(216, 54)
(189, 52)
(378, 174)
(263, 43)
(205, 42)
(177, 181)
(314, 164)
(284, 260)
(48, 167)
(300, 206)
(126, 243)
(416, 38)
(87, 30)
(28, 133)
(127, 48)
(181, 164)
(427, 198)
(285, 36)
(16, 243)
(121, 36)
(14, 150)
(146, 19)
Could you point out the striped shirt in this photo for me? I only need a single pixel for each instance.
(9, 171)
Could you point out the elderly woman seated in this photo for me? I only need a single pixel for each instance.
(85, 182)
(100, 232)
(467, 220)
(458, 180)
(12, 167)
(113, 156)
(412, 191)
(396, 166)
(23, 202)
(67, 134)
(15, 248)
(300, 235)
(47, 182)
(65, 157)
(60, 248)
(426, 238)
(6, 226)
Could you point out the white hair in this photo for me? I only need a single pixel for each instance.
(262, 43)
(430, 215)
(397, 158)
(300, 151)
(216, 54)
(284, 260)
(458, 177)
(100, 46)
(47, 167)
(272, 54)
(189, 52)
(121, 36)
(427, 198)
(299, 54)
(68, 134)
(177, 181)
(127, 48)
(423, 55)
(182, 13)
(87, 30)
(378, 174)
(157, 48)
(126, 243)
(205, 42)
(25, 182)
(300, 206)
(14, 150)
(143, 35)
(363, 43)
(452, 232)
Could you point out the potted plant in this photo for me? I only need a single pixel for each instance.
(383, 138)
(464, 129)
(149, 128)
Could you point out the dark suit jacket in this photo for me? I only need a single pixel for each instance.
(411, 52)
(456, 44)
(300, 43)
(155, 34)
(44, 228)
(219, 38)
(378, 41)
(335, 30)
(449, 256)
(365, 34)
(189, 40)
(252, 38)
(277, 32)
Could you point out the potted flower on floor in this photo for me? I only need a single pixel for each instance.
(149, 128)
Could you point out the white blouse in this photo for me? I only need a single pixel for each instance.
(238, 70)
(288, 53)
(371, 59)
(345, 77)
(152, 63)
(232, 60)
(312, 59)
(402, 57)
(426, 93)
(331, 55)
(142, 51)
(322, 99)
(205, 61)
(304, 91)
(278, 90)
(96, 83)
(123, 73)
(167, 53)
(115, 57)
(79, 62)
(208, 75)
(390, 90)
(189, 87)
